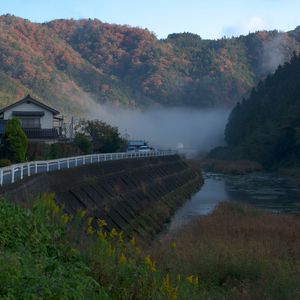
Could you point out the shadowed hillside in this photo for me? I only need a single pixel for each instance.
(265, 127)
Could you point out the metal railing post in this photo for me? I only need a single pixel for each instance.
(47, 167)
(28, 169)
(68, 163)
(1, 177)
(35, 168)
(22, 172)
(12, 174)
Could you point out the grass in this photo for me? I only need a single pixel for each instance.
(238, 253)
(230, 166)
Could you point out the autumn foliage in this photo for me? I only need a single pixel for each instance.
(70, 64)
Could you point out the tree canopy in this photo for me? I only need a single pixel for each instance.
(104, 137)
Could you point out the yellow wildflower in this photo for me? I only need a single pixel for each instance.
(169, 289)
(82, 213)
(121, 237)
(55, 208)
(190, 279)
(101, 223)
(89, 221)
(65, 218)
(101, 235)
(90, 230)
(122, 259)
(150, 263)
(113, 233)
(173, 245)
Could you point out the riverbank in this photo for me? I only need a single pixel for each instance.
(233, 167)
(293, 172)
(237, 252)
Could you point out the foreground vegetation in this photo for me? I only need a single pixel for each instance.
(238, 253)
(235, 253)
(47, 254)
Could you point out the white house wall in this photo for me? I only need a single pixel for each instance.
(46, 120)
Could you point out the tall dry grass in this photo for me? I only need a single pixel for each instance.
(238, 253)
(230, 166)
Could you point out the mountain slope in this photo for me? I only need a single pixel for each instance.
(70, 64)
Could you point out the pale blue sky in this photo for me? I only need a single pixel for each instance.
(208, 18)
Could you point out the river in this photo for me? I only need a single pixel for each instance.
(269, 191)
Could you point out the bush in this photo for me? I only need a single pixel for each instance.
(83, 143)
(4, 162)
(37, 151)
(15, 141)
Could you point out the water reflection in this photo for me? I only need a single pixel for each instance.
(264, 190)
(269, 191)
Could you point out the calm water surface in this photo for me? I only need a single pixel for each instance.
(269, 191)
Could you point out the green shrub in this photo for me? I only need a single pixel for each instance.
(43, 151)
(4, 162)
(83, 143)
(15, 141)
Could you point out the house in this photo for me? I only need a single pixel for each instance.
(39, 121)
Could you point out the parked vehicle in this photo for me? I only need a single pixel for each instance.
(131, 149)
(144, 149)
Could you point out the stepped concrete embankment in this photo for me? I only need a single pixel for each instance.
(135, 196)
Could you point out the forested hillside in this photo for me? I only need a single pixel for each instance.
(266, 126)
(69, 63)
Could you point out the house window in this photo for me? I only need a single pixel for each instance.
(30, 122)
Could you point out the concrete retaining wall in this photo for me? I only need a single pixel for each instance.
(135, 196)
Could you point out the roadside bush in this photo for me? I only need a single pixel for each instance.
(43, 151)
(4, 162)
(83, 143)
(15, 141)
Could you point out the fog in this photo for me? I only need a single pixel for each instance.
(187, 129)
(273, 54)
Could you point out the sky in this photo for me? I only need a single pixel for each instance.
(208, 18)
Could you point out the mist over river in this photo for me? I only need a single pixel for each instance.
(269, 191)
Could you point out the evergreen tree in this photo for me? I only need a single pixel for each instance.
(15, 141)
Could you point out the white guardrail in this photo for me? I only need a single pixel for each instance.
(16, 172)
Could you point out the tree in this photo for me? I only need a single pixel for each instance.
(83, 143)
(15, 141)
(105, 138)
